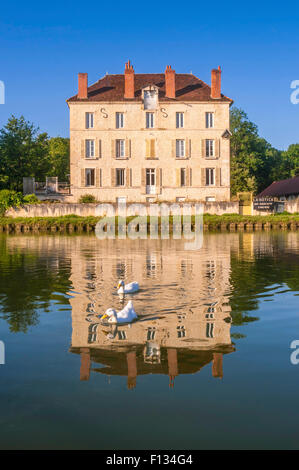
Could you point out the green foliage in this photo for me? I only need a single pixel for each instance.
(252, 158)
(26, 152)
(8, 199)
(59, 158)
(31, 199)
(87, 198)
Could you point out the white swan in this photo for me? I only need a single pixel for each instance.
(128, 288)
(126, 315)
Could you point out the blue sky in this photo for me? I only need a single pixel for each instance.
(45, 45)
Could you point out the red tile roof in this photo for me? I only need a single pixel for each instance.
(282, 188)
(188, 88)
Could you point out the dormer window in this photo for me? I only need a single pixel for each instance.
(150, 97)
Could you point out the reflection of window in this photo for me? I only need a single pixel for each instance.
(121, 334)
(151, 333)
(181, 318)
(181, 331)
(210, 330)
(209, 315)
(92, 333)
(211, 270)
(120, 270)
(151, 264)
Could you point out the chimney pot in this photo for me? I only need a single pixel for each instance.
(169, 82)
(216, 83)
(129, 81)
(82, 85)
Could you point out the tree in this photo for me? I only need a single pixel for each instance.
(59, 158)
(23, 152)
(252, 157)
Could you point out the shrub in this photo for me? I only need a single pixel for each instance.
(87, 198)
(31, 199)
(8, 199)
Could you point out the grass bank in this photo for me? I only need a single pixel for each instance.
(227, 222)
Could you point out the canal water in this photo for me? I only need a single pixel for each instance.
(208, 364)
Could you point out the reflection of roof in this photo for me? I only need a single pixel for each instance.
(188, 88)
(282, 188)
(189, 361)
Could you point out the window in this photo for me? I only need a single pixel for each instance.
(209, 120)
(183, 176)
(120, 176)
(119, 120)
(210, 147)
(150, 177)
(180, 148)
(89, 148)
(179, 120)
(151, 333)
(120, 148)
(89, 176)
(89, 120)
(210, 199)
(149, 120)
(210, 176)
(210, 330)
(181, 331)
(150, 98)
(121, 334)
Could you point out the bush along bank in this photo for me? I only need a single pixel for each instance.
(227, 222)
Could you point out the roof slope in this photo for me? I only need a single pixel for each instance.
(112, 88)
(282, 188)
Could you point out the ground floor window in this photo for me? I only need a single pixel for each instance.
(89, 177)
(120, 176)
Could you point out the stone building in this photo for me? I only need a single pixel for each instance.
(150, 137)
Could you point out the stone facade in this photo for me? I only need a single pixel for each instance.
(152, 171)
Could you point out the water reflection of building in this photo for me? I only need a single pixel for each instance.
(184, 314)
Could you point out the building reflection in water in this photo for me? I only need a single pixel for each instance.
(183, 307)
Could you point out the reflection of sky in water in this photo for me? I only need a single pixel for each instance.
(228, 311)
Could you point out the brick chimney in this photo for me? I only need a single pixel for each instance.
(216, 83)
(129, 81)
(82, 85)
(169, 82)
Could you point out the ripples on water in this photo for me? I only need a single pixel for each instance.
(193, 306)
